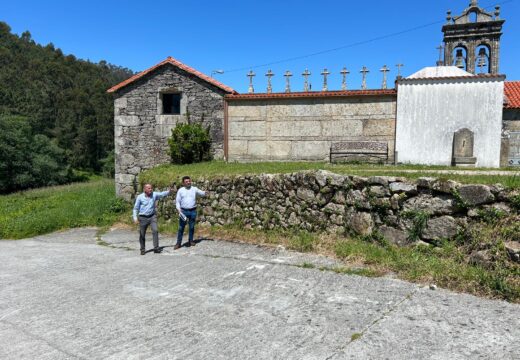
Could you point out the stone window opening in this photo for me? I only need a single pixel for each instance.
(171, 103)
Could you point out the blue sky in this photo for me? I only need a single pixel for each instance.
(236, 35)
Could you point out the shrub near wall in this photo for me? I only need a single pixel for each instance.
(427, 210)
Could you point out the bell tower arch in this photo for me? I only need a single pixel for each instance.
(472, 39)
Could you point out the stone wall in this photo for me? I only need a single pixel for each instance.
(510, 154)
(288, 129)
(141, 131)
(323, 201)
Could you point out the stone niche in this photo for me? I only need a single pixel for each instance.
(463, 140)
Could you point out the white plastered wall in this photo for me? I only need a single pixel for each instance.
(429, 111)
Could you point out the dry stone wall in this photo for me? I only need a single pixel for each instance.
(402, 212)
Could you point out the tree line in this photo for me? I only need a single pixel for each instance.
(55, 114)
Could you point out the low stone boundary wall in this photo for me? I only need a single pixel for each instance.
(404, 212)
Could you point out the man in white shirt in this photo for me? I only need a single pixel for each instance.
(186, 204)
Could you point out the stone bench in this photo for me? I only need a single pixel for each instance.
(369, 151)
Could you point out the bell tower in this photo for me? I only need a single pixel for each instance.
(472, 40)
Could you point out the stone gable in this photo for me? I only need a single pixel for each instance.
(141, 131)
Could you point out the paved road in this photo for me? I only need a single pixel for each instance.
(63, 296)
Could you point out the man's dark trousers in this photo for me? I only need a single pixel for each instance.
(191, 215)
(144, 222)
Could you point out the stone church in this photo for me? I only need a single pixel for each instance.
(460, 112)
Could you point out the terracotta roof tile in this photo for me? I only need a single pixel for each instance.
(311, 94)
(512, 92)
(174, 62)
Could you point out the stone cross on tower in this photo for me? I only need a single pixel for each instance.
(251, 89)
(287, 83)
(325, 73)
(344, 72)
(306, 74)
(384, 70)
(440, 62)
(269, 75)
(399, 66)
(364, 71)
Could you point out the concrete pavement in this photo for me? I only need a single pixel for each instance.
(65, 296)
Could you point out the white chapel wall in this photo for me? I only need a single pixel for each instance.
(430, 111)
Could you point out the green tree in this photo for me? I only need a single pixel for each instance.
(63, 98)
(28, 160)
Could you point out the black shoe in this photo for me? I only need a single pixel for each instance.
(143, 252)
(157, 250)
(177, 246)
(191, 243)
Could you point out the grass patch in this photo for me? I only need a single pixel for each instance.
(446, 266)
(307, 265)
(40, 211)
(366, 272)
(355, 336)
(166, 175)
(303, 241)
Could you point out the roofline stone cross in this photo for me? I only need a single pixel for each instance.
(287, 83)
(269, 75)
(251, 89)
(325, 73)
(305, 75)
(344, 72)
(384, 70)
(440, 62)
(399, 66)
(364, 71)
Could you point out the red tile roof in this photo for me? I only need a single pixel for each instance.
(176, 63)
(512, 91)
(311, 94)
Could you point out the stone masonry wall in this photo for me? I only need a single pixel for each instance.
(324, 201)
(141, 132)
(510, 151)
(303, 129)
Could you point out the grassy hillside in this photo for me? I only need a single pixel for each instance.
(41, 211)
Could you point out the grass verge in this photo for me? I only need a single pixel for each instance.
(165, 175)
(40, 211)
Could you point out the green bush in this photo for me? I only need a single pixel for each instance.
(190, 143)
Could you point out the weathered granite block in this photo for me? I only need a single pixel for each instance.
(126, 120)
(247, 129)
